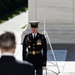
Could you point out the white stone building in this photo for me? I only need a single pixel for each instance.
(53, 11)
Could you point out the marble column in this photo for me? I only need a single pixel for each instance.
(53, 11)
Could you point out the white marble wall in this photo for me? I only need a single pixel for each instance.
(74, 11)
(53, 11)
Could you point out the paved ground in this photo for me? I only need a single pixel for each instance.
(65, 67)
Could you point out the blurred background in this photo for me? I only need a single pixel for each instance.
(11, 8)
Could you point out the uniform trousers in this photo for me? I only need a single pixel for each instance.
(39, 71)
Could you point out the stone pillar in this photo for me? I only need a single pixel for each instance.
(74, 10)
(53, 11)
(32, 9)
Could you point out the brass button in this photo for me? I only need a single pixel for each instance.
(33, 52)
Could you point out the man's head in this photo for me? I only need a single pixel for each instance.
(34, 26)
(7, 42)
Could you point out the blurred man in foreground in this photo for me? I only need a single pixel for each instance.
(8, 64)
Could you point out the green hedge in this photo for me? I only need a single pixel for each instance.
(9, 5)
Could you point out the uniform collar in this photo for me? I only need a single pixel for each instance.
(34, 34)
(31, 35)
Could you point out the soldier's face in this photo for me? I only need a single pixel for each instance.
(34, 30)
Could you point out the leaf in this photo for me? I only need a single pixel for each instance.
(24, 26)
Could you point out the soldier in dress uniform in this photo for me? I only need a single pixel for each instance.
(37, 48)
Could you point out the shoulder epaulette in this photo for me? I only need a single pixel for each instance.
(42, 36)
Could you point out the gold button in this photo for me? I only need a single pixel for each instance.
(33, 52)
(28, 46)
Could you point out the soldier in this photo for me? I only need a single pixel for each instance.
(37, 48)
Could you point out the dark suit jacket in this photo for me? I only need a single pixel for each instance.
(10, 66)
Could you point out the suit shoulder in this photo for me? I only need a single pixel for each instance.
(24, 63)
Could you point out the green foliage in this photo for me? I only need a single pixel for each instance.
(24, 26)
(7, 6)
(12, 14)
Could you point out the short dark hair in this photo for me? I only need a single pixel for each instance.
(7, 40)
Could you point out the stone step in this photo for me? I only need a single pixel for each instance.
(56, 28)
(58, 34)
(58, 37)
(62, 73)
(54, 31)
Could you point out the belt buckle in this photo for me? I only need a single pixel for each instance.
(33, 52)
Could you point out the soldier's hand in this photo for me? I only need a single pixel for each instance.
(44, 68)
(44, 64)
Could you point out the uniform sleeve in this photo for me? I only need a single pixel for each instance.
(24, 52)
(44, 50)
